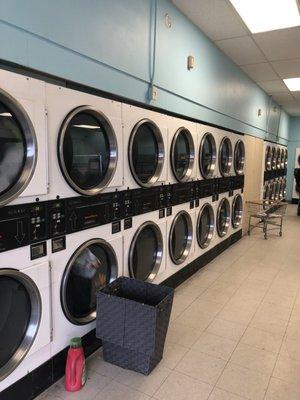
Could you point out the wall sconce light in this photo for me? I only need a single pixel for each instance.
(190, 62)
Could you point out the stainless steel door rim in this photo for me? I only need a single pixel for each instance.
(191, 146)
(225, 169)
(239, 157)
(188, 237)
(211, 226)
(213, 157)
(237, 211)
(222, 230)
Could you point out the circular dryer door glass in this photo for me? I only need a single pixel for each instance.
(239, 157)
(146, 153)
(146, 252)
(225, 156)
(286, 159)
(223, 217)
(273, 158)
(205, 226)
(91, 267)
(237, 211)
(180, 237)
(182, 154)
(282, 156)
(278, 159)
(20, 308)
(207, 155)
(266, 194)
(268, 159)
(12, 150)
(87, 150)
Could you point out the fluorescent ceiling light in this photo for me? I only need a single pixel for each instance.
(86, 126)
(293, 84)
(5, 114)
(268, 15)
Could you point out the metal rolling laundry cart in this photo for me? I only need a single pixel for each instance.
(266, 215)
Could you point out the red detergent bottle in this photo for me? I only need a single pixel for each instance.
(75, 377)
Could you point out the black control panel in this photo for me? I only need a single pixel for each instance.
(22, 225)
(182, 193)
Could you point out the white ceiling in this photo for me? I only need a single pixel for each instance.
(266, 57)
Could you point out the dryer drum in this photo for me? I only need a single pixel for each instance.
(268, 159)
(278, 158)
(181, 236)
(207, 156)
(20, 315)
(282, 157)
(205, 225)
(146, 153)
(182, 155)
(225, 156)
(239, 157)
(87, 150)
(93, 265)
(237, 211)
(273, 158)
(146, 252)
(223, 217)
(18, 148)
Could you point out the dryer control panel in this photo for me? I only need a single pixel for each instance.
(21, 225)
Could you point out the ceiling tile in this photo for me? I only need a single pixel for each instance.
(279, 45)
(260, 72)
(296, 95)
(282, 97)
(216, 18)
(273, 86)
(292, 107)
(287, 68)
(241, 50)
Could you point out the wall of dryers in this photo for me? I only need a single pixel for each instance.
(110, 44)
(294, 142)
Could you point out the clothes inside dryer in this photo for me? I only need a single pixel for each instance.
(205, 225)
(91, 267)
(207, 156)
(17, 148)
(182, 154)
(146, 153)
(146, 250)
(225, 156)
(237, 211)
(223, 217)
(20, 313)
(87, 150)
(181, 235)
(239, 157)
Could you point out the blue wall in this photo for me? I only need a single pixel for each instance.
(294, 142)
(109, 45)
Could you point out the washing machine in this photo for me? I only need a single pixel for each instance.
(81, 264)
(145, 247)
(146, 147)
(205, 220)
(85, 143)
(183, 142)
(25, 311)
(181, 236)
(223, 218)
(208, 143)
(23, 161)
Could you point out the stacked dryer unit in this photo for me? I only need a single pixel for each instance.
(274, 172)
(25, 309)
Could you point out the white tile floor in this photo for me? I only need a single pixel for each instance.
(234, 332)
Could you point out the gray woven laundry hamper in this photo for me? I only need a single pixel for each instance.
(132, 321)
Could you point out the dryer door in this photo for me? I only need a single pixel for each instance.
(273, 158)
(268, 158)
(182, 155)
(18, 148)
(207, 156)
(223, 217)
(20, 314)
(205, 225)
(87, 150)
(239, 157)
(93, 265)
(282, 157)
(237, 211)
(146, 153)
(278, 158)
(146, 252)
(181, 236)
(225, 156)
(286, 158)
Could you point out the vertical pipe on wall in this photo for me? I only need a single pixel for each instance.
(153, 52)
